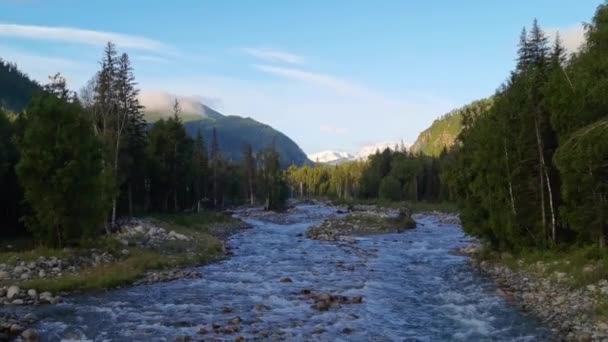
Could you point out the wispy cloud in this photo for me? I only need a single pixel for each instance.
(332, 129)
(272, 55)
(80, 36)
(149, 58)
(572, 36)
(325, 80)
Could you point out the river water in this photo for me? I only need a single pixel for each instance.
(413, 289)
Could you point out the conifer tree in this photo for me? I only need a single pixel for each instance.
(60, 172)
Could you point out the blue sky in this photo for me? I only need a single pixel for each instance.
(330, 74)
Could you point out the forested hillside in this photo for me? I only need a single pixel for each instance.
(16, 89)
(533, 170)
(443, 132)
(234, 132)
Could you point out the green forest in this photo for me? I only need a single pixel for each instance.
(527, 167)
(72, 165)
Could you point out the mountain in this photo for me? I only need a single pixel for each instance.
(443, 131)
(368, 150)
(233, 132)
(330, 157)
(16, 88)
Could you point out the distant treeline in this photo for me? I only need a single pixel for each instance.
(393, 175)
(72, 165)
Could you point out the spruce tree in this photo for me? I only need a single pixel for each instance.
(60, 172)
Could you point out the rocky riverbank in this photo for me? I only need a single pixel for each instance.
(571, 312)
(163, 246)
(360, 221)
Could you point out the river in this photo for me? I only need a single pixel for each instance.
(413, 289)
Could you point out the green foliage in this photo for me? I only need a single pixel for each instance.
(533, 170)
(583, 163)
(60, 172)
(390, 188)
(443, 132)
(16, 89)
(272, 184)
(385, 176)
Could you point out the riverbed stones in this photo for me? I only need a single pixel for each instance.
(327, 301)
(12, 292)
(4, 275)
(567, 310)
(30, 335)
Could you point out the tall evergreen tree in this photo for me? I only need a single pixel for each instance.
(249, 166)
(59, 171)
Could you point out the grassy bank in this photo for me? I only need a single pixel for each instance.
(584, 267)
(575, 267)
(205, 231)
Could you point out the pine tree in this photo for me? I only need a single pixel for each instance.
(215, 165)
(60, 172)
(249, 166)
(200, 164)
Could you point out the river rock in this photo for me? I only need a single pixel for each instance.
(2, 292)
(30, 335)
(12, 292)
(4, 275)
(16, 329)
(32, 293)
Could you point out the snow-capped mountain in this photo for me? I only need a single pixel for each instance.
(330, 157)
(368, 150)
(337, 157)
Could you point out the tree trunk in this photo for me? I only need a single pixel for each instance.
(553, 223)
(175, 200)
(544, 172)
(251, 195)
(130, 194)
(511, 197)
(114, 198)
(113, 218)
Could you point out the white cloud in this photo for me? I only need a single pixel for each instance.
(328, 81)
(332, 129)
(572, 36)
(80, 36)
(272, 55)
(149, 58)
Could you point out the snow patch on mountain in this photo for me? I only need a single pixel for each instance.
(368, 150)
(330, 157)
(336, 157)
